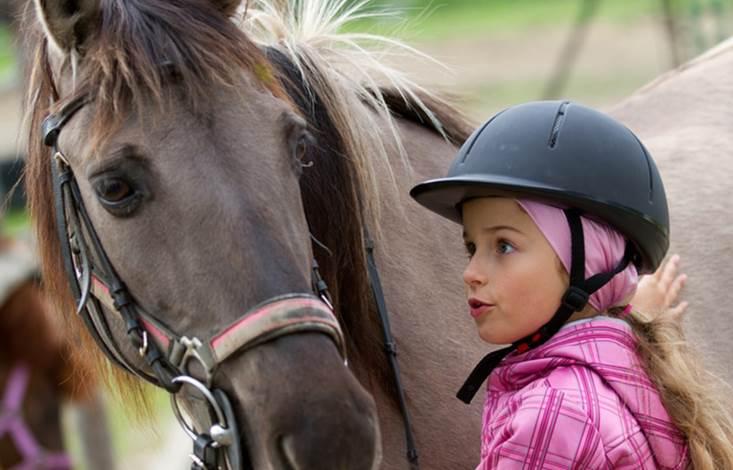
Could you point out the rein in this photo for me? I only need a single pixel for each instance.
(312, 107)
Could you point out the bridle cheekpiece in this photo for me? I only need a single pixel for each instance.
(169, 356)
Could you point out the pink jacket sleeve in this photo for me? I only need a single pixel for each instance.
(542, 430)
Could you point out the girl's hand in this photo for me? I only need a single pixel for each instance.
(657, 292)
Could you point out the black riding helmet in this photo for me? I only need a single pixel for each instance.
(566, 153)
(572, 156)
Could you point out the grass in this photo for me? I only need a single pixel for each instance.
(441, 19)
(15, 223)
(7, 56)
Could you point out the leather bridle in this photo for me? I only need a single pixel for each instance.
(167, 354)
(95, 285)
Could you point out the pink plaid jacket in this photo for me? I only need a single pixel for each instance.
(581, 400)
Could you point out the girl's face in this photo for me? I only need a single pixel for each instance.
(514, 280)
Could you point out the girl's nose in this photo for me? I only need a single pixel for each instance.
(473, 275)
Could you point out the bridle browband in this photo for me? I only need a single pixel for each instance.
(169, 355)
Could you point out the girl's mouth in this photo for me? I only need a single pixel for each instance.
(478, 307)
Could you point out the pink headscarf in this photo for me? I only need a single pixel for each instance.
(604, 248)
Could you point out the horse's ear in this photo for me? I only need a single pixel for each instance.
(228, 7)
(69, 24)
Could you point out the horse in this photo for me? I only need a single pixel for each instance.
(273, 186)
(214, 163)
(38, 376)
(683, 117)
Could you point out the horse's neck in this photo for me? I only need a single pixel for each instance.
(420, 261)
(685, 119)
(695, 95)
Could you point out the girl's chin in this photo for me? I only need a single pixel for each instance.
(493, 335)
(494, 338)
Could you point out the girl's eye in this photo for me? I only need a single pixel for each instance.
(114, 190)
(470, 249)
(504, 247)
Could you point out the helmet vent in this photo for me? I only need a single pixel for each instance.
(557, 125)
(649, 168)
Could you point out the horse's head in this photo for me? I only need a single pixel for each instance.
(174, 136)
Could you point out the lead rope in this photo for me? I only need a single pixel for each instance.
(390, 348)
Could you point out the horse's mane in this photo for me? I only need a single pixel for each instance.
(353, 90)
(346, 91)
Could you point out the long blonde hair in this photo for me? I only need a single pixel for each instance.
(693, 397)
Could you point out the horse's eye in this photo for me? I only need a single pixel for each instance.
(114, 190)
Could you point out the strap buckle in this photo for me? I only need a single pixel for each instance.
(575, 298)
(185, 349)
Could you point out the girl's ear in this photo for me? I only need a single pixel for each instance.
(69, 24)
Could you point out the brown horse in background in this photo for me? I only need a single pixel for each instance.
(39, 373)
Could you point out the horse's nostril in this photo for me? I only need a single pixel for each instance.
(354, 447)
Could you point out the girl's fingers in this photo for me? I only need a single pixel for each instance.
(677, 311)
(669, 272)
(657, 275)
(674, 289)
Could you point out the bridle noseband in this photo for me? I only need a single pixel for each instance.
(168, 355)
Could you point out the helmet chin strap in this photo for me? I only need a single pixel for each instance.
(574, 300)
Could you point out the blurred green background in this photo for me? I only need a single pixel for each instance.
(503, 51)
(500, 52)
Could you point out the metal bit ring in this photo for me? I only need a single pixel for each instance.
(201, 388)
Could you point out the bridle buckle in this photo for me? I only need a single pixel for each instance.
(187, 349)
(59, 157)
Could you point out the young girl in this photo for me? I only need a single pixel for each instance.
(562, 209)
